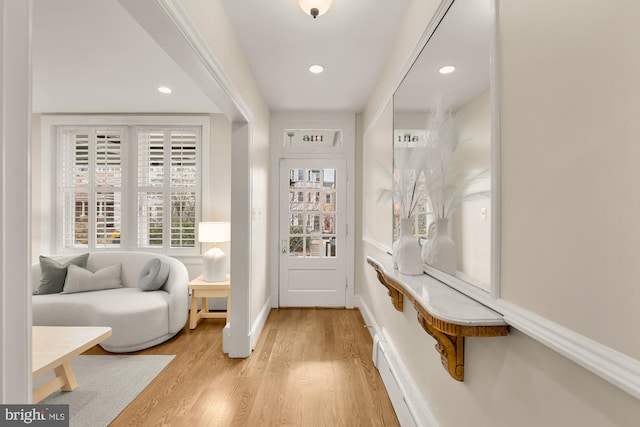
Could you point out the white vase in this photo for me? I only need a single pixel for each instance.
(406, 250)
(440, 251)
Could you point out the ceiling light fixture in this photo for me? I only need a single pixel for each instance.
(447, 69)
(315, 8)
(164, 89)
(316, 69)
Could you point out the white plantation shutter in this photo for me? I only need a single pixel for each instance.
(183, 159)
(168, 182)
(151, 159)
(90, 177)
(183, 185)
(108, 186)
(150, 219)
(150, 183)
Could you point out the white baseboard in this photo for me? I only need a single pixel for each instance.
(258, 325)
(226, 336)
(411, 409)
(256, 328)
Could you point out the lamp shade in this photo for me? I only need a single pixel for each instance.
(315, 8)
(213, 232)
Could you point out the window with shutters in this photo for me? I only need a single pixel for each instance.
(167, 188)
(129, 188)
(91, 187)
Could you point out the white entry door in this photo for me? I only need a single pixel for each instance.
(312, 233)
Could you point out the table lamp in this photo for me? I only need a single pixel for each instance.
(214, 260)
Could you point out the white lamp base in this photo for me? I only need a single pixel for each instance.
(213, 267)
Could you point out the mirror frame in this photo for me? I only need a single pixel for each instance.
(495, 162)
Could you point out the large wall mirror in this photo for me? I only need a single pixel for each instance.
(443, 113)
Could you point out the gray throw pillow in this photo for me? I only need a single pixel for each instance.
(153, 275)
(82, 280)
(54, 271)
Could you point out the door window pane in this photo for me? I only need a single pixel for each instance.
(313, 200)
(329, 247)
(296, 224)
(328, 222)
(313, 224)
(312, 207)
(296, 200)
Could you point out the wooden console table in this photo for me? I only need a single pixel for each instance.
(443, 312)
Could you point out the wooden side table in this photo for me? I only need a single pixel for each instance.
(201, 289)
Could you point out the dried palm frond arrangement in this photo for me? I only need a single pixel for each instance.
(406, 190)
(433, 170)
(448, 183)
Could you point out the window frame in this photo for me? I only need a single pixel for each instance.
(50, 234)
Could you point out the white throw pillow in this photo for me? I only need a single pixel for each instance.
(82, 280)
(153, 275)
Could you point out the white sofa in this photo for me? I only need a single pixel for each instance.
(139, 319)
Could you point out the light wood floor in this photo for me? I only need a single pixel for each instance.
(311, 367)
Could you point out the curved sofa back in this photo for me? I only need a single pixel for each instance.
(132, 263)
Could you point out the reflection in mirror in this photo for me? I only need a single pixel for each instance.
(442, 145)
(312, 137)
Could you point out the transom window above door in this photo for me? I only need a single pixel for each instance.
(309, 138)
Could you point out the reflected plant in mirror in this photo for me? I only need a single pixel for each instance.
(443, 142)
(448, 182)
(408, 197)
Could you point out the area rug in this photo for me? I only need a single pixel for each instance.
(106, 385)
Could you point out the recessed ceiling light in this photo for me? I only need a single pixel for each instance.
(447, 69)
(316, 69)
(164, 89)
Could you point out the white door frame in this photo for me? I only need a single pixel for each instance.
(15, 206)
(310, 120)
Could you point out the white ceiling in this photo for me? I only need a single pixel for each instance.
(352, 41)
(91, 56)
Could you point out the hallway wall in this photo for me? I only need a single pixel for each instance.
(569, 137)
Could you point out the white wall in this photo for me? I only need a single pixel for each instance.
(377, 154)
(218, 206)
(569, 132)
(37, 242)
(570, 176)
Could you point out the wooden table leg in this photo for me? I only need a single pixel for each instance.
(47, 388)
(64, 380)
(193, 315)
(64, 371)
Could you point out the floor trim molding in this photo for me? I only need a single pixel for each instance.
(258, 325)
(410, 407)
